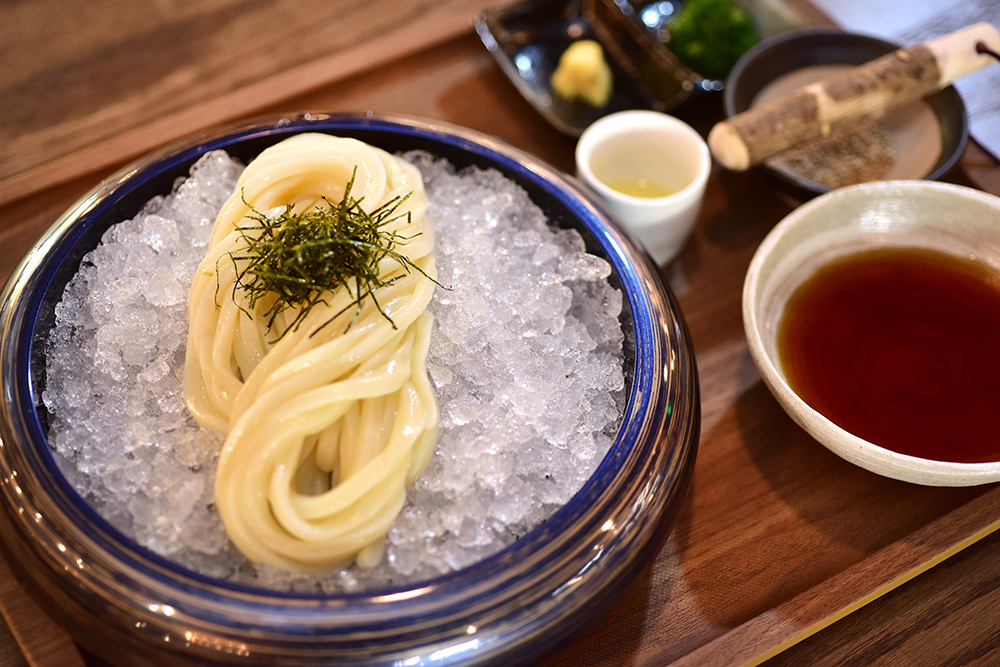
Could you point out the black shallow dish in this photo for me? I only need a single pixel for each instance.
(528, 38)
(795, 50)
(133, 607)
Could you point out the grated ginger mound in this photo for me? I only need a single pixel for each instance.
(583, 73)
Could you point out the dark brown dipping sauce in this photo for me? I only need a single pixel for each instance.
(901, 347)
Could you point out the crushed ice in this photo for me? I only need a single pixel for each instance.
(526, 359)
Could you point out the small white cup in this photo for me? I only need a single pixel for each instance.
(651, 169)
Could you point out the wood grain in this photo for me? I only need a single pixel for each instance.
(41, 641)
(10, 652)
(785, 625)
(85, 85)
(948, 619)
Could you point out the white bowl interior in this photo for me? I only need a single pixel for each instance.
(926, 214)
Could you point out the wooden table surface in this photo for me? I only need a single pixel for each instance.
(782, 553)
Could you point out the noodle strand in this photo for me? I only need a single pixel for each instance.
(325, 428)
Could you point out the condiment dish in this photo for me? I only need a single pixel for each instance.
(527, 39)
(919, 140)
(953, 219)
(651, 169)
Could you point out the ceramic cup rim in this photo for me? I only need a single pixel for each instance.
(629, 122)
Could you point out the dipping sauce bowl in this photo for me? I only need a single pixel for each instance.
(951, 219)
(651, 169)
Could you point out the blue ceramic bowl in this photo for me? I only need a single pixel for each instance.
(133, 607)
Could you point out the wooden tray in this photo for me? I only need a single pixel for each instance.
(778, 538)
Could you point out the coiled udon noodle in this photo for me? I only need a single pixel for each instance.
(325, 428)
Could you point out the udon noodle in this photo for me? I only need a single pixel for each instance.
(326, 421)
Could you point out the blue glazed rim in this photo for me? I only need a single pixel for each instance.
(521, 601)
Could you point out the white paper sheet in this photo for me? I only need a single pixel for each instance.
(914, 21)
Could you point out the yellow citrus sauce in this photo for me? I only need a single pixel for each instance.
(640, 187)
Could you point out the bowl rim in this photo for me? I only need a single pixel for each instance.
(946, 97)
(857, 450)
(625, 534)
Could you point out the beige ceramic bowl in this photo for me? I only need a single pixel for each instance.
(927, 214)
